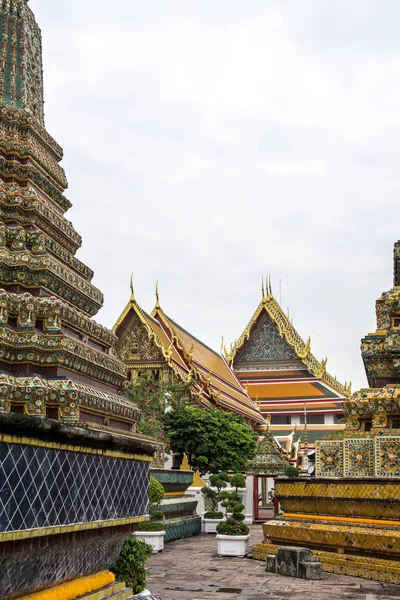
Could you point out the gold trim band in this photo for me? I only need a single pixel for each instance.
(25, 441)
(12, 536)
(342, 519)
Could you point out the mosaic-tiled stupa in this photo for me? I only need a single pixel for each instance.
(74, 473)
(349, 514)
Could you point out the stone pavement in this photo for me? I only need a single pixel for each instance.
(190, 569)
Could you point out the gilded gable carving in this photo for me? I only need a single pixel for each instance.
(136, 345)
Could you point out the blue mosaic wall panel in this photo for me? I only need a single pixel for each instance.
(43, 487)
(266, 344)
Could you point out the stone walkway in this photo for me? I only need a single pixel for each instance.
(190, 569)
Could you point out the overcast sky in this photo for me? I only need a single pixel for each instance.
(210, 142)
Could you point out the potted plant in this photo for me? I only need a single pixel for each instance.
(211, 520)
(233, 535)
(211, 498)
(153, 532)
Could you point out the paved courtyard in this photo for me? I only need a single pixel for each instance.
(191, 570)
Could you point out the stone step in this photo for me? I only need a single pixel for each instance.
(114, 591)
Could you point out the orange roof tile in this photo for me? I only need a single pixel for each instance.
(284, 390)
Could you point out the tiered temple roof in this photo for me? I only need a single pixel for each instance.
(157, 342)
(55, 361)
(281, 374)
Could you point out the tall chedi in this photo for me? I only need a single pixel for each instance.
(74, 474)
(349, 514)
(55, 360)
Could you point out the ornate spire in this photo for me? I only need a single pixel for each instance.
(396, 256)
(21, 75)
(133, 299)
(158, 305)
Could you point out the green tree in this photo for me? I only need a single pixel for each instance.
(154, 397)
(212, 440)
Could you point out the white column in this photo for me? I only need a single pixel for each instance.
(249, 500)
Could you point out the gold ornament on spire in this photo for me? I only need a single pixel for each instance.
(157, 297)
(133, 299)
(264, 299)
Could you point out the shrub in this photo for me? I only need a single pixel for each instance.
(151, 526)
(291, 471)
(156, 491)
(157, 515)
(131, 564)
(213, 514)
(232, 527)
(238, 481)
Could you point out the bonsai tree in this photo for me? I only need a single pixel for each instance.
(238, 481)
(234, 524)
(212, 440)
(219, 481)
(156, 516)
(212, 495)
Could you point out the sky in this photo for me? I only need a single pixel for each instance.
(210, 142)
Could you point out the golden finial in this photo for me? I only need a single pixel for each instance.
(133, 299)
(288, 313)
(268, 421)
(306, 349)
(263, 290)
(157, 297)
(322, 369)
(222, 345)
(269, 286)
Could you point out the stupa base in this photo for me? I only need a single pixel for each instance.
(377, 569)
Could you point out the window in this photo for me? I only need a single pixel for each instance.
(313, 419)
(395, 422)
(396, 322)
(280, 420)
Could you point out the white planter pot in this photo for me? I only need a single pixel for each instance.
(233, 545)
(153, 538)
(210, 525)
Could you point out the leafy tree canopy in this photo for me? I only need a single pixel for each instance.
(154, 397)
(212, 440)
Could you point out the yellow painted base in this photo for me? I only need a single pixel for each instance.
(377, 569)
(73, 589)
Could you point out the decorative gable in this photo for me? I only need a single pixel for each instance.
(265, 344)
(135, 345)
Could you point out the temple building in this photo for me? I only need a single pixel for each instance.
(283, 377)
(74, 473)
(156, 342)
(349, 514)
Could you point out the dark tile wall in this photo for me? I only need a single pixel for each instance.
(28, 571)
(42, 487)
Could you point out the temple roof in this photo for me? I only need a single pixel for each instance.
(192, 360)
(279, 342)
